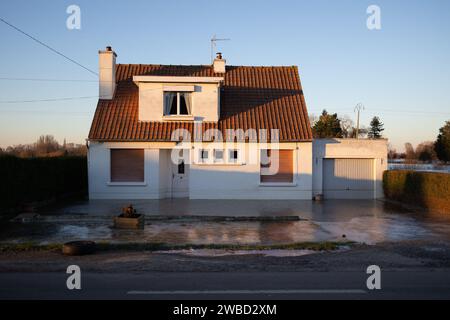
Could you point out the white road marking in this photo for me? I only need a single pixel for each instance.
(301, 291)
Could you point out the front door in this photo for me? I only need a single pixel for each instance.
(180, 179)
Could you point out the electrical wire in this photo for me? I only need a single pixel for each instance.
(47, 46)
(46, 80)
(48, 100)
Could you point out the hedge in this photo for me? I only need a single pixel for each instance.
(430, 190)
(24, 180)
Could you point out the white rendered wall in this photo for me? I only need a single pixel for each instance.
(100, 186)
(206, 181)
(165, 173)
(350, 148)
(230, 181)
(204, 101)
(242, 181)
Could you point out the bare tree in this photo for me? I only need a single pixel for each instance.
(313, 119)
(392, 152)
(347, 126)
(425, 151)
(409, 152)
(46, 146)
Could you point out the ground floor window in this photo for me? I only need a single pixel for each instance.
(127, 165)
(204, 155)
(233, 155)
(277, 166)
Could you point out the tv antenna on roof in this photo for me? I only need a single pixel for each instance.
(213, 44)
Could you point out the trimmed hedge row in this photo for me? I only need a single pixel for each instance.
(25, 180)
(430, 190)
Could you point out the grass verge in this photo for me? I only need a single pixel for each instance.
(29, 246)
(157, 246)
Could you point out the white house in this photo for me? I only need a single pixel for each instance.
(218, 132)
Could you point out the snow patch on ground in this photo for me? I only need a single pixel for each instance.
(223, 252)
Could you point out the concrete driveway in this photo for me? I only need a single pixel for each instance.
(188, 221)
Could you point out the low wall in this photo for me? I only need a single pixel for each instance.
(430, 190)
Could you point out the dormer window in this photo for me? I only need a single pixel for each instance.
(177, 103)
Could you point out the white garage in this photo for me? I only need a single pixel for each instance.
(349, 168)
(348, 178)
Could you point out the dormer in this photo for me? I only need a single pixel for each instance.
(175, 98)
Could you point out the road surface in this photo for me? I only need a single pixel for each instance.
(228, 285)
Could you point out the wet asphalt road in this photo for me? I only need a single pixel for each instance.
(428, 284)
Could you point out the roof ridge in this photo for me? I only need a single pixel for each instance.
(206, 65)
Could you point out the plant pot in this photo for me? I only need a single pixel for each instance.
(122, 222)
(78, 248)
(318, 197)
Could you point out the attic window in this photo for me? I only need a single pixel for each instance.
(177, 103)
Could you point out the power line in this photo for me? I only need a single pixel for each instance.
(49, 100)
(49, 80)
(46, 113)
(60, 99)
(47, 46)
(412, 112)
(374, 111)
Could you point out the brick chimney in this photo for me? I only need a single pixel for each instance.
(107, 73)
(219, 63)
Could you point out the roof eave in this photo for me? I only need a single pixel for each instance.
(177, 79)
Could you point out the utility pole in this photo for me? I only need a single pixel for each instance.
(358, 109)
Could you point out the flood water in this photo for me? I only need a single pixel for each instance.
(361, 221)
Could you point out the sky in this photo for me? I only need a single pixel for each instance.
(400, 73)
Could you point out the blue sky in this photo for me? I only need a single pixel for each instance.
(400, 73)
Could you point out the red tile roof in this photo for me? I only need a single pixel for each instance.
(251, 97)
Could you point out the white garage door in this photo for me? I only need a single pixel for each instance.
(348, 178)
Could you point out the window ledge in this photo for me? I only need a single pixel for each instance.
(222, 164)
(137, 184)
(178, 118)
(277, 184)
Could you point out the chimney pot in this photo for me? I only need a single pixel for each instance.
(219, 63)
(108, 48)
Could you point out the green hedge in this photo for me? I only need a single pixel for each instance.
(430, 190)
(25, 180)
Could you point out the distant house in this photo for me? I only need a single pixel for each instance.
(218, 132)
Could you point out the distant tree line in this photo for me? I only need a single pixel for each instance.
(329, 125)
(423, 152)
(427, 151)
(45, 146)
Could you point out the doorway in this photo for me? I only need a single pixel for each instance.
(180, 176)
